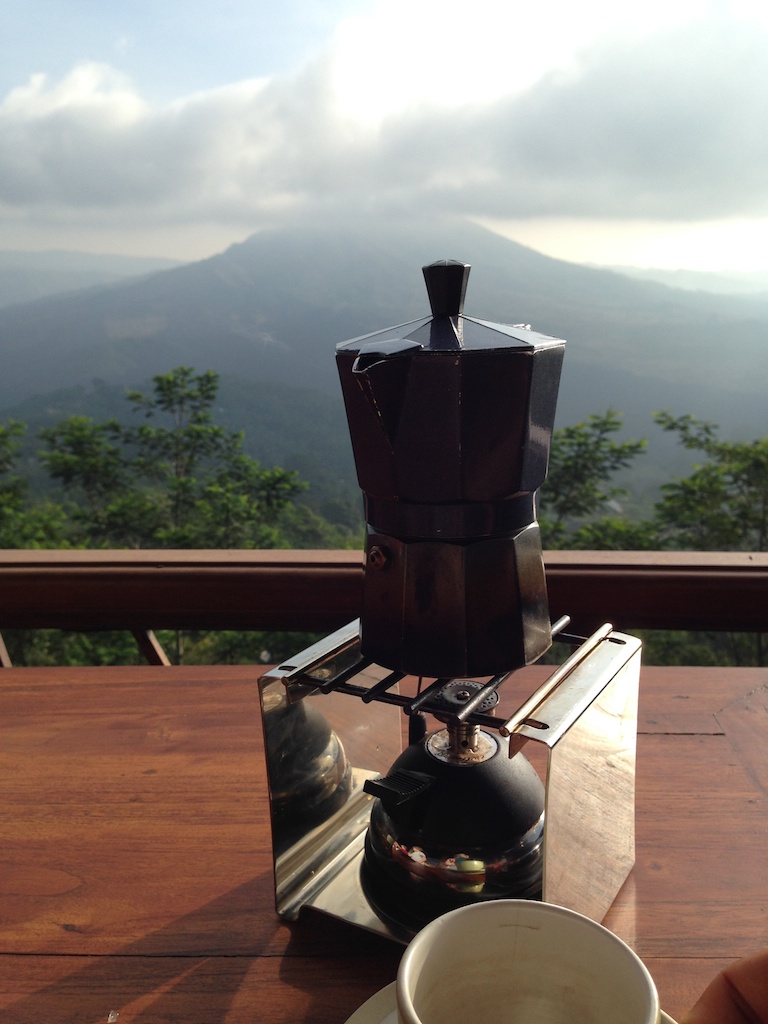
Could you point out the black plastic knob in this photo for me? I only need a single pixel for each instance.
(446, 282)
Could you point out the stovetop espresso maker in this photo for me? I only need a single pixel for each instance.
(398, 784)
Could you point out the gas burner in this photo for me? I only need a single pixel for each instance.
(421, 830)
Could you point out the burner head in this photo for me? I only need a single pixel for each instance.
(451, 422)
(447, 831)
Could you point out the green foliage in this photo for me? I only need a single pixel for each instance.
(611, 533)
(684, 647)
(12, 488)
(177, 480)
(723, 504)
(234, 647)
(10, 436)
(68, 647)
(23, 525)
(578, 497)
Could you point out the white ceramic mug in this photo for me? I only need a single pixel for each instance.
(522, 962)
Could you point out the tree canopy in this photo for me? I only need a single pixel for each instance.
(175, 480)
(722, 505)
(172, 477)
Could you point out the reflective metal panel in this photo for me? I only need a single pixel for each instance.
(322, 746)
(589, 841)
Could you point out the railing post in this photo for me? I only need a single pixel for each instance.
(5, 658)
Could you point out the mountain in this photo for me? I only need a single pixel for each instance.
(272, 308)
(26, 276)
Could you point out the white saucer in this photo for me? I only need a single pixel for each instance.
(381, 1009)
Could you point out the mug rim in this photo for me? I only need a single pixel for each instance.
(405, 1003)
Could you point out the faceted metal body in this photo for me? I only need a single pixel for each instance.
(447, 608)
(451, 422)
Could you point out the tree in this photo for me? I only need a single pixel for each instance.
(12, 488)
(23, 525)
(723, 504)
(175, 480)
(577, 501)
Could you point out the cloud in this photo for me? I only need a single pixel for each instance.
(672, 124)
(89, 143)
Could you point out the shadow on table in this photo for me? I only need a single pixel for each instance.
(331, 966)
(330, 987)
(145, 984)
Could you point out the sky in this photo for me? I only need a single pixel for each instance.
(595, 132)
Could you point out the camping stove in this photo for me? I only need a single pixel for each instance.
(399, 787)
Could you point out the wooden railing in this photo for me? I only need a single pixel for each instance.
(320, 590)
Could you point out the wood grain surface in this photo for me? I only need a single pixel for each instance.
(135, 854)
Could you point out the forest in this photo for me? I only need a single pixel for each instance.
(175, 478)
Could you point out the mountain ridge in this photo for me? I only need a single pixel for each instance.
(26, 276)
(272, 309)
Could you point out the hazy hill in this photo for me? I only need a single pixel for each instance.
(26, 276)
(272, 308)
(725, 282)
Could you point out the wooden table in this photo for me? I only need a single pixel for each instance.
(135, 863)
